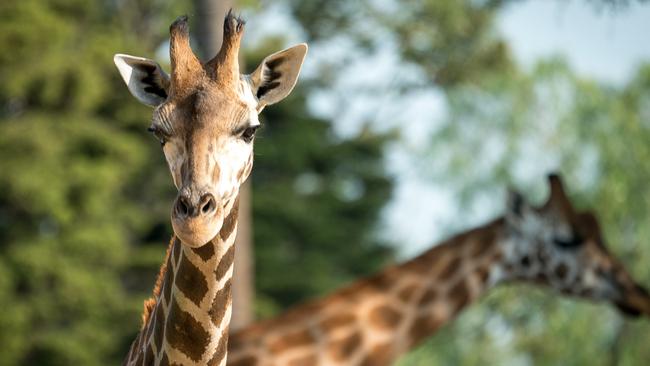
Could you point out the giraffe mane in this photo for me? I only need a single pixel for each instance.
(150, 303)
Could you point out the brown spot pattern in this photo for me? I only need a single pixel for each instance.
(220, 303)
(458, 295)
(482, 273)
(185, 334)
(406, 294)
(381, 354)
(240, 174)
(167, 285)
(230, 222)
(159, 329)
(177, 248)
(340, 350)
(385, 317)
(428, 297)
(149, 358)
(164, 361)
(225, 263)
(140, 359)
(496, 256)
(221, 350)
(284, 342)
(308, 360)
(244, 361)
(191, 281)
(336, 321)
(483, 243)
(422, 327)
(147, 334)
(205, 252)
(135, 347)
(450, 269)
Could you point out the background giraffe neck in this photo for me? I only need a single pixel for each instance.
(375, 320)
(188, 319)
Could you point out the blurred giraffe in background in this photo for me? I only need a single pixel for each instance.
(376, 320)
(205, 117)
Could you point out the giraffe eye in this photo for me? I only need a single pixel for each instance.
(573, 242)
(159, 134)
(249, 133)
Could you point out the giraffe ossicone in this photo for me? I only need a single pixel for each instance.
(205, 117)
(375, 320)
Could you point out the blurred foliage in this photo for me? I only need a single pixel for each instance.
(451, 41)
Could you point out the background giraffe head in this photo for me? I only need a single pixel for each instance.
(558, 247)
(205, 117)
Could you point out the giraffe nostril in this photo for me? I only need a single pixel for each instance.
(208, 204)
(182, 208)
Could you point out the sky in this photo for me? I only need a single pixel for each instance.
(599, 44)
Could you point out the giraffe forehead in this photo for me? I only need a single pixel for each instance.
(208, 110)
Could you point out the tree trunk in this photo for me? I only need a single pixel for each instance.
(243, 285)
(209, 19)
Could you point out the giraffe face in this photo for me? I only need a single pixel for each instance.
(556, 247)
(207, 140)
(205, 117)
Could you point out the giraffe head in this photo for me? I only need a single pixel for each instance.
(205, 117)
(558, 247)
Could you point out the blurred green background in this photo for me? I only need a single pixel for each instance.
(85, 192)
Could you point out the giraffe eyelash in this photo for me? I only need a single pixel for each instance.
(573, 242)
(248, 134)
(161, 135)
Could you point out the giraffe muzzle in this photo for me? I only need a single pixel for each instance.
(196, 219)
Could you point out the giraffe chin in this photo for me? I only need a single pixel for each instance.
(196, 232)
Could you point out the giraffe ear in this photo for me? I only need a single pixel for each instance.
(276, 76)
(516, 208)
(145, 79)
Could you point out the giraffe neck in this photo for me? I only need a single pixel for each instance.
(375, 320)
(187, 320)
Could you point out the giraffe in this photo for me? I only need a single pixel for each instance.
(375, 320)
(205, 117)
